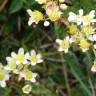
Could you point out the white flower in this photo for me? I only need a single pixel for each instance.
(31, 19)
(11, 66)
(29, 76)
(76, 18)
(84, 44)
(35, 16)
(35, 58)
(4, 76)
(82, 19)
(72, 17)
(20, 58)
(87, 19)
(54, 13)
(64, 45)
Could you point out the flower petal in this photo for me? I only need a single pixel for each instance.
(33, 53)
(21, 51)
(3, 83)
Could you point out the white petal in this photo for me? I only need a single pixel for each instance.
(84, 50)
(7, 77)
(16, 72)
(93, 69)
(94, 37)
(8, 59)
(81, 12)
(33, 53)
(3, 83)
(48, 12)
(18, 62)
(95, 46)
(33, 63)
(13, 54)
(21, 51)
(33, 80)
(27, 55)
(39, 56)
(7, 68)
(92, 14)
(29, 11)
(34, 75)
(72, 17)
(25, 62)
(85, 24)
(66, 50)
(94, 20)
(31, 20)
(71, 40)
(79, 20)
(90, 38)
(67, 38)
(58, 41)
(60, 49)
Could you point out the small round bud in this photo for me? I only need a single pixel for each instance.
(46, 23)
(63, 6)
(61, 1)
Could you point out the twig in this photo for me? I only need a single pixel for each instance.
(65, 75)
(2, 6)
(54, 60)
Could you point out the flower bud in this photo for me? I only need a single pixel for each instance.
(61, 1)
(63, 6)
(46, 23)
(27, 89)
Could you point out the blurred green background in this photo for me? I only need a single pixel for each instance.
(57, 72)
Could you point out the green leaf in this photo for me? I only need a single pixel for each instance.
(77, 72)
(15, 6)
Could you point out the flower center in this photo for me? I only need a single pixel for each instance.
(1, 77)
(54, 16)
(65, 44)
(84, 44)
(87, 19)
(21, 58)
(33, 58)
(29, 75)
(73, 29)
(38, 16)
(88, 30)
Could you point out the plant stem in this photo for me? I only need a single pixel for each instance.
(2, 6)
(65, 75)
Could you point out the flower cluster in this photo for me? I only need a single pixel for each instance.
(20, 64)
(53, 10)
(81, 31)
